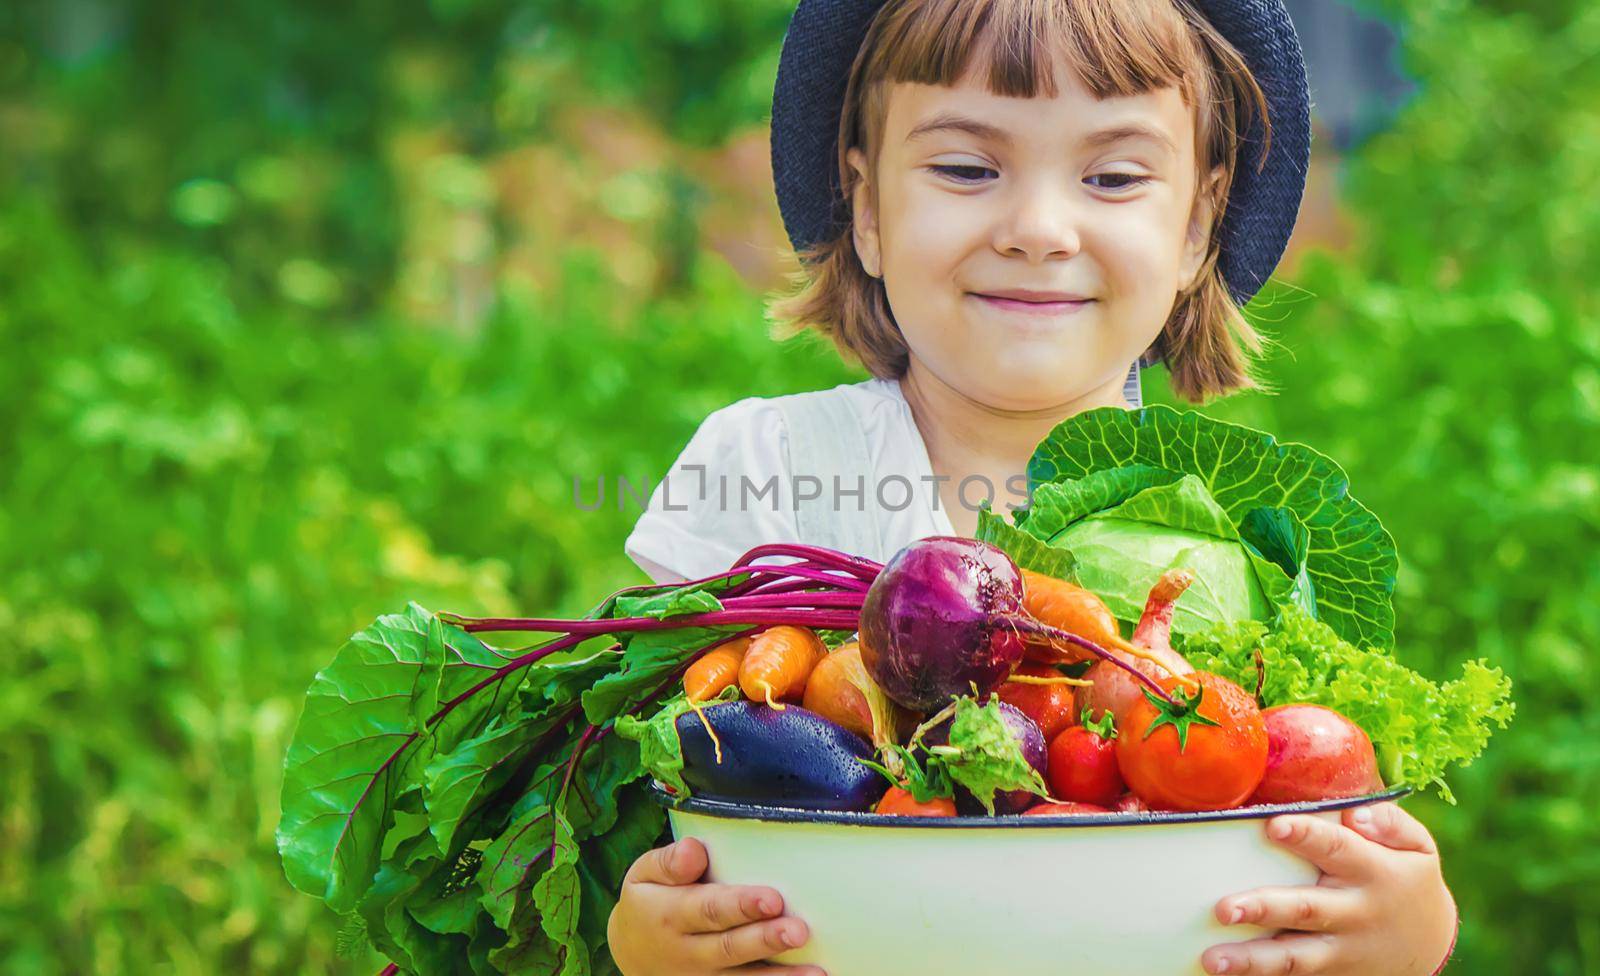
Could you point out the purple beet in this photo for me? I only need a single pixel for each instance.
(1028, 736)
(940, 618)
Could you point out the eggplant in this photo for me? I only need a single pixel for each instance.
(785, 757)
(1031, 741)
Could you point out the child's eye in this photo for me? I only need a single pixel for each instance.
(1132, 180)
(963, 174)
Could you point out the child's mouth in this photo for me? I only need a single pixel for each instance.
(1031, 307)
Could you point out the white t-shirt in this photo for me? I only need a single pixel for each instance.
(719, 499)
(743, 481)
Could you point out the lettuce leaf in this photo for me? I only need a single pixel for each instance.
(1419, 728)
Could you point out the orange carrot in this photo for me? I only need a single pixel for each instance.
(718, 668)
(778, 663)
(1075, 610)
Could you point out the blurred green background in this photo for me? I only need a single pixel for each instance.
(310, 309)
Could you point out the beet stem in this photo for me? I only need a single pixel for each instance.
(797, 615)
(864, 568)
(795, 600)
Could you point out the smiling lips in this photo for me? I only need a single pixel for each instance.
(1034, 302)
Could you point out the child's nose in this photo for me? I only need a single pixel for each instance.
(1040, 223)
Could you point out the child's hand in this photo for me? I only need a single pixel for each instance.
(667, 925)
(1381, 907)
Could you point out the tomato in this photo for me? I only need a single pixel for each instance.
(1052, 707)
(1315, 753)
(1206, 752)
(1059, 809)
(1083, 765)
(900, 802)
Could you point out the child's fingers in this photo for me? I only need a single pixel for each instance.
(676, 864)
(777, 971)
(748, 943)
(1330, 846)
(1389, 825)
(717, 908)
(1308, 908)
(1281, 955)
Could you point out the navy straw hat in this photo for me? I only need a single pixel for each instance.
(821, 46)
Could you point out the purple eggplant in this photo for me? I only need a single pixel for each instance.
(1028, 736)
(785, 757)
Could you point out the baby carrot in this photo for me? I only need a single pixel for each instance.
(709, 676)
(779, 662)
(718, 668)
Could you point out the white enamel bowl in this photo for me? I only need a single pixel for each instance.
(1113, 895)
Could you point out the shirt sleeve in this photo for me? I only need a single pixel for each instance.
(727, 492)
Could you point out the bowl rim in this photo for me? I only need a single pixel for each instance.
(728, 810)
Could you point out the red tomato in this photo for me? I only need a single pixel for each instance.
(1057, 809)
(900, 802)
(1208, 752)
(1083, 767)
(1052, 707)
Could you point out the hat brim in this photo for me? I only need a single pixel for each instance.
(824, 37)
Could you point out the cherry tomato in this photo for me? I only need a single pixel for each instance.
(1206, 752)
(1052, 707)
(1083, 765)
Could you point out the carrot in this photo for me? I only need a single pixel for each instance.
(710, 675)
(1075, 610)
(718, 668)
(779, 662)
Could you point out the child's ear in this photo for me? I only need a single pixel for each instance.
(863, 219)
(1197, 237)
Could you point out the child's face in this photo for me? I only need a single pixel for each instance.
(1039, 203)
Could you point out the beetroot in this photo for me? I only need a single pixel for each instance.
(1315, 753)
(944, 618)
(936, 622)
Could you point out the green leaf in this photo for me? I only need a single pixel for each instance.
(430, 676)
(1351, 562)
(460, 779)
(1054, 505)
(557, 896)
(672, 603)
(354, 750)
(1276, 537)
(984, 756)
(522, 851)
(650, 657)
(1025, 550)
(465, 777)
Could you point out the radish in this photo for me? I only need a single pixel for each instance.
(1315, 753)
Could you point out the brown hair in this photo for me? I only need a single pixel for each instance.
(1122, 47)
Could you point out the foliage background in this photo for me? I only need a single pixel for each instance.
(307, 310)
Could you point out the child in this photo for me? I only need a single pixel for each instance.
(1034, 195)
